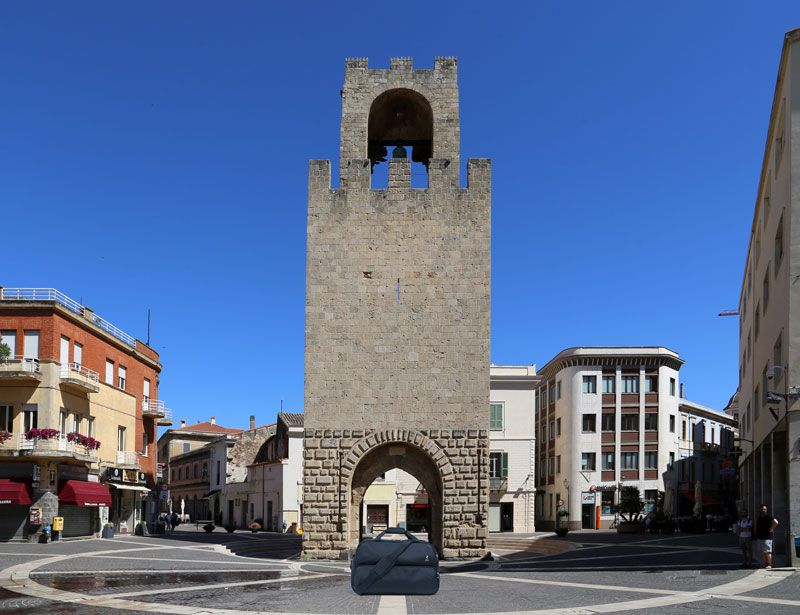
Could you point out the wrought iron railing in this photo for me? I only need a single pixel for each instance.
(76, 370)
(19, 363)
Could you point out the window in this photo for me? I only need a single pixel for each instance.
(205, 470)
(609, 384)
(672, 386)
(31, 344)
(552, 393)
(608, 461)
(590, 423)
(120, 438)
(196, 471)
(778, 247)
(766, 201)
(777, 357)
(608, 422)
(558, 427)
(757, 320)
(651, 384)
(780, 138)
(30, 413)
(630, 422)
(7, 418)
(144, 444)
(62, 421)
(122, 376)
(552, 430)
(672, 423)
(756, 401)
(543, 397)
(764, 387)
(63, 356)
(495, 416)
(172, 475)
(588, 461)
(77, 354)
(650, 497)
(765, 292)
(757, 247)
(551, 466)
(651, 421)
(713, 434)
(76, 423)
(630, 384)
(630, 461)
(651, 460)
(146, 391)
(607, 502)
(590, 384)
(671, 459)
(558, 390)
(185, 447)
(219, 482)
(558, 464)
(180, 473)
(683, 429)
(9, 338)
(109, 372)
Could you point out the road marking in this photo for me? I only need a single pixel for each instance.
(392, 605)
(643, 590)
(145, 571)
(196, 561)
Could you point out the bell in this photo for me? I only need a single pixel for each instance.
(399, 152)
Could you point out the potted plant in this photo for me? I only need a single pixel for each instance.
(108, 530)
(209, 527)
(630, 508)
(230, 528)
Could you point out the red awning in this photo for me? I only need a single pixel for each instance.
(14, 492)
(84, 493)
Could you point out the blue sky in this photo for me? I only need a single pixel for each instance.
(155, 155)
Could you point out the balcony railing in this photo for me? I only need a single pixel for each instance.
(156, 408)
(51, 294)
(128, 458)
(20, 368)
(80, 376)
(59, 444)
(498, 484)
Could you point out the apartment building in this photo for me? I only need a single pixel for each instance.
(79, 409)
(179, 450)
(769, 305)
(605, 418)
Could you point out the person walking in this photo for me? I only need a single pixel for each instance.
(744, 527)
(173, 520)
(765, 528)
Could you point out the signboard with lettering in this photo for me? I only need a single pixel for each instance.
(588, 497)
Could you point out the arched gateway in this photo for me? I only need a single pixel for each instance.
(397, 314)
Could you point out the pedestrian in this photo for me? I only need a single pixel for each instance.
(744, 527)
(765, 528)
(174, 520)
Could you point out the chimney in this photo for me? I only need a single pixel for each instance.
(213, 420)
(183, 422)
(252, 421)
(683, 395)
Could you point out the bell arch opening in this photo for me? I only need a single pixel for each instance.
(410, 459)
(401, 120)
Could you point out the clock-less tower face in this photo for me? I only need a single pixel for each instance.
(397, 313)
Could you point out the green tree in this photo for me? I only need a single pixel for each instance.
(5, 351)
(630, 503)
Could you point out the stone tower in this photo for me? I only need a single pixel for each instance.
(397, 313)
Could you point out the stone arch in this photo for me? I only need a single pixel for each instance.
(407, 450)
(400, 116)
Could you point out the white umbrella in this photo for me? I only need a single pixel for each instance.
(698, 498)
(183, 505)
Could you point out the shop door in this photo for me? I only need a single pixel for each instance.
(507, 517)
(494, 517)
(230, 512)
(587, 516)
(78, 520)
(377, 517)
(268, 520)
(13, 522)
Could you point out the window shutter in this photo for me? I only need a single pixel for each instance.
(495, 416)
(504, 465)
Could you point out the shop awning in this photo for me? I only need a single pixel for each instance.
(84, 493)
(129, 487)
(14, 493)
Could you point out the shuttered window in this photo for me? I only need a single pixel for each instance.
(495, 416)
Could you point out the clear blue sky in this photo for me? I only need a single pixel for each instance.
(155, 154)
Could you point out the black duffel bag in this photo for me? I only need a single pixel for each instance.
(409, 567)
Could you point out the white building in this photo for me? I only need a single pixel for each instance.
(606, 417)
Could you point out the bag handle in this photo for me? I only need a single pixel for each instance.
(396, 530)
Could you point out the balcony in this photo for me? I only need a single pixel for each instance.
(498, 484)
(78, 378)
(155, 408)
(20, 370)
(51, 447)
(128, 459)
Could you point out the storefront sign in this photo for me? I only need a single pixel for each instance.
(5, 501)
(587, 497)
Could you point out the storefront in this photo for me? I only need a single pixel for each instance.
(15, 505)
(78, 503)
(128, 490)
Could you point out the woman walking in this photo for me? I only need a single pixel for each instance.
(744, 527)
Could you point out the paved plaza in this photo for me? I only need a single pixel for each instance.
(192, 572)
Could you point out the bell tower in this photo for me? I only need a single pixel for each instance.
(397, 314)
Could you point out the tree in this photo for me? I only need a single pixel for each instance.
(630, 503)
(5, 351)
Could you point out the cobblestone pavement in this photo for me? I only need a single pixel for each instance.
(191, 572)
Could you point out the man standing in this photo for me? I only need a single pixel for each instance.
(765, 526)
